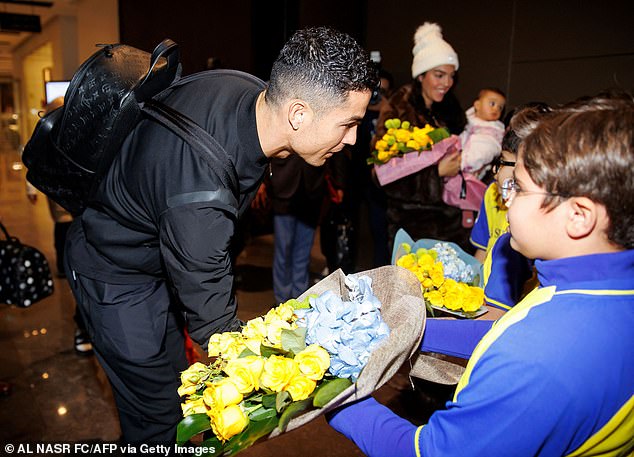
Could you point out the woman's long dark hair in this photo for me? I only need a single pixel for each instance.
(447, 113)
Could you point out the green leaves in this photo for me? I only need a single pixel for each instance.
(282, 400)
(190, 426)
(406, 248)
(293, 410)
(262, 414)
(255, 431)
(294, 341)
(328, 390)
(268, 351)
(304, 304)
(439, 134)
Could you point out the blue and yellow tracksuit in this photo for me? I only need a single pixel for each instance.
(508, 270)
(553, 377)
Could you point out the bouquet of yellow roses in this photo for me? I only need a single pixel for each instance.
(402, 138)
(394, 156)
(449, 277)
(303, 358)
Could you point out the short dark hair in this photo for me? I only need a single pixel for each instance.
(495, 90)
(320, 65)
(522, 121)
(587, 149)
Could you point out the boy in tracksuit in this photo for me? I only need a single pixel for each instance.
(555, 375)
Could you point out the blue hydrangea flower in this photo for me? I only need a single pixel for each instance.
(453, 266)
(348, 330)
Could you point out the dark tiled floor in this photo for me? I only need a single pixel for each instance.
(58, 395)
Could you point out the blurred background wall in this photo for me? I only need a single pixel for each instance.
(537, 50)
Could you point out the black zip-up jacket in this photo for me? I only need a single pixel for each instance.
(161, 213)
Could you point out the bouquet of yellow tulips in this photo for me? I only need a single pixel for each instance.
(402, 138)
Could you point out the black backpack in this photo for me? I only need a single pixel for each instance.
(73, 146)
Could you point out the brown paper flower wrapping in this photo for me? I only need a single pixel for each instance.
(402, 308)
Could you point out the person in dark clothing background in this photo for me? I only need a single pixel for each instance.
(362, 188)
(296, 189)
(152, 252)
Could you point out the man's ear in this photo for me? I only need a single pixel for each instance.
(584, 216)
(297, 110)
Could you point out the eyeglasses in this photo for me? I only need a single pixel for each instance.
(495, 167)
(510, 189)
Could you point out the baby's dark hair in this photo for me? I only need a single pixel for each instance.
(495, 90)
(586, 149)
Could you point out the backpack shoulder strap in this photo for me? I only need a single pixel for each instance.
(200, 140)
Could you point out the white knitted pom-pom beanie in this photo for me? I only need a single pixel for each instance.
(430, 50)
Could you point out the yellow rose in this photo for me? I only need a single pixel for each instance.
(421, 138)
(313, 362)
(245, 373)
(474, 299)
(254, 344)
(300, 387)
(278, 371)
(221, 394)
(452, 295)
(194, 374)
(255, 328)
(428, 128)
(192, 377)
(228, 422)
(427, 283)
(381, 145)
(235, 349)
(407, 261)
(434, 297)
(383, 156)
(425, 260)
(219, 343)
(412, 144)
(402, 136)
(194, 407)
(187, 390)
(437, 274)
(285, 311)
(274, 331)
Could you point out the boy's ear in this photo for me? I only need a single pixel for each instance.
(583, 218)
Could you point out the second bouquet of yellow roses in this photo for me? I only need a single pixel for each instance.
(407, 149)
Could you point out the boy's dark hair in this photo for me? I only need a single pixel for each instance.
(523, 121)
(587, 149)
(320, 65)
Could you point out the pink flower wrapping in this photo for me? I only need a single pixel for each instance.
(410, 163)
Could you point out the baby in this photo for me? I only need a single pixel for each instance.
(482, 137)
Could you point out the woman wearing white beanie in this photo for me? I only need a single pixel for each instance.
(415, 201)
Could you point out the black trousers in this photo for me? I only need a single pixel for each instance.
(138, 339)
